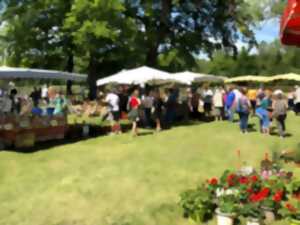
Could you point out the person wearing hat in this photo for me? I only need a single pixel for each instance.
(280, 107)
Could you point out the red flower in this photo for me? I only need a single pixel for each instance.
(278, 196)
(213, 181)
(254, 178)
(260, 196)
(290, 207)
(265, 192)
(231, 179)
(244, 180)
(255, 198)
(249, 190)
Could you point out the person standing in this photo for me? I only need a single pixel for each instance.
(45, 92)
(291, 96)
(243, 109)
(59, 103)
(113, 102)
(133, 115)
(157, 109)
(252, 93)
(147, 103)
(207, 98)
(194, 104)
(171, 103)
(262, 113)
(218, 104)
(280, 107)
(35, 96)
(297, 100)
(230, 100)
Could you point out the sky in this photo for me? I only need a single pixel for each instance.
(268, 31)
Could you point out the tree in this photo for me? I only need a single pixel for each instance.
(189, 26)
(104, 36)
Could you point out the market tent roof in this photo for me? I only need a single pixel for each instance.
(188, 77)
(138, 76)
(249, 78)
(289, 76)
(13, 73)
(290, 24)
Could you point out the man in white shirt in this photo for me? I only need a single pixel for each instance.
(218, 104)
(45, 92)
(113, 102)
(207, 98)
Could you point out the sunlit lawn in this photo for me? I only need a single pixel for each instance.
(123, 180)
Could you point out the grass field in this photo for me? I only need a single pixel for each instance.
(120, 180)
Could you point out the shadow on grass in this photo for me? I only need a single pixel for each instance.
(287, 135)
(251, 128)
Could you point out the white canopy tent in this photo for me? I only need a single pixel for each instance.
(9, 73)
(138, 76)
(188, 78)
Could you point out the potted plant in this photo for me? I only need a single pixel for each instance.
(252, 213)
(294, 189)
(197, 204)
(291, 211)
(228, 209)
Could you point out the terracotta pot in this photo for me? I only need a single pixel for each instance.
(224, 218)
(294, 222)
(253, 221)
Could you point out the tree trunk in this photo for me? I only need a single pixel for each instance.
(92, 77)
(162, 32)
(152, 55)
(70, 68)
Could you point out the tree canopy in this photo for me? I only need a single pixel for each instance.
(101, 37)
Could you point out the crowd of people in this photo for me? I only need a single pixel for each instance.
(41, 101)
(164, 108)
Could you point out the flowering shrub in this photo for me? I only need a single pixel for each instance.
(198, 204)
(291, 207)
(237, 194)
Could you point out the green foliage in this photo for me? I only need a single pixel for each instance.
(252, 210)
(197, 204)
(297, 154)
(294, 187)
(229, 204)
(269, 59)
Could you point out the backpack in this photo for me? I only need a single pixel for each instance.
(242, 106)
(279, 108)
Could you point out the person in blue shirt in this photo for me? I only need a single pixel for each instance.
(37, 110)
(263, 114)
(229, 104)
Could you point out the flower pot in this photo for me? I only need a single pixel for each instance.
(294, 222)
(224, 218)
(269, 215)
(253, 221)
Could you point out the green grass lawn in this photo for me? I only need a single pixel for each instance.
(120, 180)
